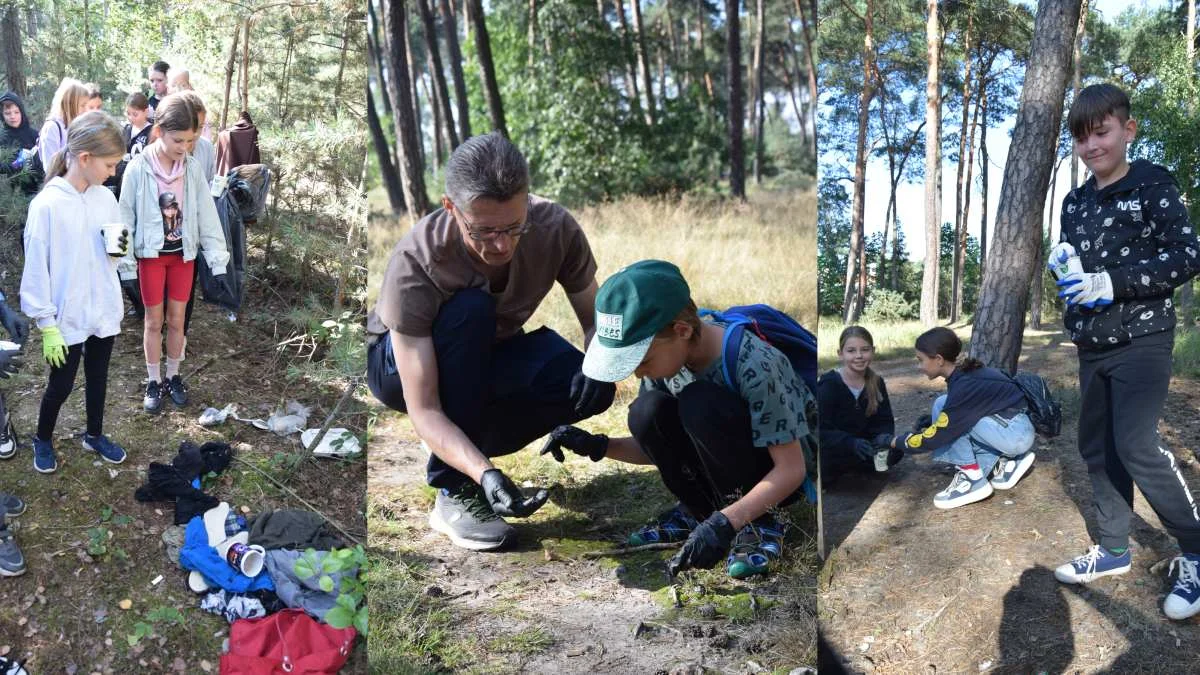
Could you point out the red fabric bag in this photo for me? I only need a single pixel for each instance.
(288, 642)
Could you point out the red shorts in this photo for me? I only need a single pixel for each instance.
(165, 275)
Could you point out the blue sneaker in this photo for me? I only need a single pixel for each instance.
(1097, 562)
(962, 491)
(1184, 599)
(755, 547)
(44, 459)
(670, 527)
(109, 451)
(11, 505)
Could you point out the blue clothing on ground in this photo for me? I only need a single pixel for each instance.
(197, 555)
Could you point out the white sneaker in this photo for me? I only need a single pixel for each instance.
(1010, 470)
(962, 491)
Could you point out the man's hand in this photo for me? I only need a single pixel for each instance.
(16, 325)
(10, 360)
(591, 397)
(1090, 289)
(578, 441)
(506, 498)
(706, 545)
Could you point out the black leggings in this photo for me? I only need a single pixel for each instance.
(95, 353)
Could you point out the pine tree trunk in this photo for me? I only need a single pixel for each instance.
(450, 23)
(733, 49)
(933, 135)
(337, 87)
(960, 222)
(14, 58)
(441, 91)
(412, 176)
(377, 42)
(491, 89)
(811, 64)
(387, 170)
(245, 83)
(1077, 79)
(1038, 289)
(760, 56)
(631, 80)
(855, 289)
(230, 67)
(1186, 293)
(643, 58)
(999, 321)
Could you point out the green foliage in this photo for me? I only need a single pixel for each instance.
(351, 608)
(884, 305)
(833, 244)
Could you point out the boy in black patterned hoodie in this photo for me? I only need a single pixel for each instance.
(1129, 229)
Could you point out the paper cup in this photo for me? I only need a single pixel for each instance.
(246, 559)
(881, 461)
(112, 238)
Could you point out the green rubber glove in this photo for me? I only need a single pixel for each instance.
(54, 347)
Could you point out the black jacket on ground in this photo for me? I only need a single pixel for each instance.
(1136, 229)
(844, 419)
(970, 397)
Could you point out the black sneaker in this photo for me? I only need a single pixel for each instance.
(177, 390)
(152, 402)
(8, 440)
(467, 518)
(11, 505)
(12, 562)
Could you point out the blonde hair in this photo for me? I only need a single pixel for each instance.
(175, 113)
(69, 99)
(93, 90)
(95, 133)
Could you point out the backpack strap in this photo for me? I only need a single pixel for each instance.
(735, 325)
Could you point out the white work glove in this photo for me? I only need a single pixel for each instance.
(1090, 289)
(1059, 254)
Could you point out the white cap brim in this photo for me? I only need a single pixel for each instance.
(613, 364)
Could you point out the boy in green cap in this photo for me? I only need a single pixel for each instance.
(729, 452)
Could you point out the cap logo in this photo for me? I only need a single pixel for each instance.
(608, 326)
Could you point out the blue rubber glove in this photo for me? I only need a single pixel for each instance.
(16, 325)
(1090, 289)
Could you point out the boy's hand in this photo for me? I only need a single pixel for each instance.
(705, 546)
(1059, 254)
(506, 498)
(16, 325)
(591, 397)
(1089, 289)
(578, 441)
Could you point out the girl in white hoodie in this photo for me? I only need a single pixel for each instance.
(166, 205)
(69, 286)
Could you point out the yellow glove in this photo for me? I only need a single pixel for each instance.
(54, 347)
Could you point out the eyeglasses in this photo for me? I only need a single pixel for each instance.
(487, 234)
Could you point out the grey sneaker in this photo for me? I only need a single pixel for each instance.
(12, 563)
(11, 505)
(467, 518)
(8, 440)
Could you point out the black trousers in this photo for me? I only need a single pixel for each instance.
(839, 458)
(700, 442)
(503, 395)
(95, 354)
(1123, 392)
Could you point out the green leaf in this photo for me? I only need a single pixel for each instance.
(360, 621)
(326, 583)
(340, 617)
(304, 568)
(106, 514)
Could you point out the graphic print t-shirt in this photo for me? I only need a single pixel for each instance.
(172, 219)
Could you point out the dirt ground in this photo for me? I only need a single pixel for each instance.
(912, 589)
(90, 545)
(544, 608)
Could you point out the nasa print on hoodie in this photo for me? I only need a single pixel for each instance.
(1136, 229)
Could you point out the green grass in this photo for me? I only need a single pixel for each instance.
(1187, 352)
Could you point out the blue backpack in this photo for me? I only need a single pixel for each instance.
(776, 329)
(796, 342)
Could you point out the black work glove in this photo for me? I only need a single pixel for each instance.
(16, 325)
(578, 441)
(506, 498)
(10, 360)
(884, 441)
(591, 397)
(123, 240)
(705, 546)
(923, 422)
(864, 449)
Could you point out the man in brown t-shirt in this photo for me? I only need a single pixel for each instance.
(448, 341)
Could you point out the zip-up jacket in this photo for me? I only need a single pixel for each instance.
(140, 212)
(1137, 230)
(970, 397)
(69, 280)
(844, 417)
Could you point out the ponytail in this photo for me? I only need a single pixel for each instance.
(873, 393)
(968, 364)
(58, 165)
(943, 342)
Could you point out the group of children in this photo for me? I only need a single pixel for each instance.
(72, 279)
(1126, 244)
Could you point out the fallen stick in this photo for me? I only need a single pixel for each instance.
(661, 546)
(301, 500)
(333, 413)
